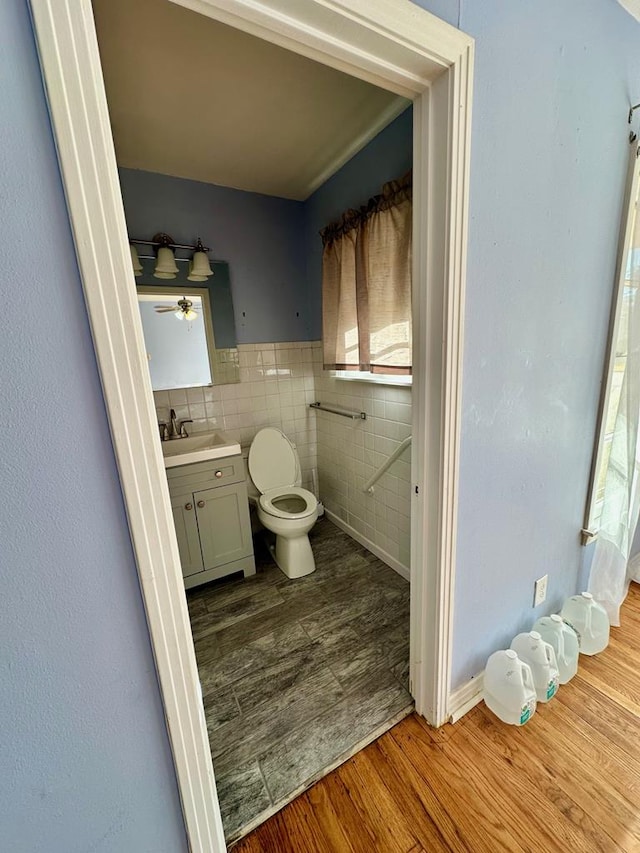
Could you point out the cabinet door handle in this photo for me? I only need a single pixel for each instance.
(218, 474)
(188, 506)
(200, 504)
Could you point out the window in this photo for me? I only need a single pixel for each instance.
(613, 495)
(366, 286)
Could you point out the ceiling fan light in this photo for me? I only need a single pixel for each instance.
(200, 266)
(190, 314)
(135, 260)
(166, 266)
(179, 315)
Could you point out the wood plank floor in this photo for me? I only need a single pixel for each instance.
(567, 781)
(297, 675)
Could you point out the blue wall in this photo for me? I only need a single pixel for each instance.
(553, 84)
(85, 757)
(387, 156)
(86, 763)
(260, 236)
(272, 244)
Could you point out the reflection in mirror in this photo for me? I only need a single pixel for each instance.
(186, 353)
(175, 337)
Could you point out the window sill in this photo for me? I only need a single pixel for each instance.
(371, 378)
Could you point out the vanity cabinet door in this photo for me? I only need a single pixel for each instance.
(224, 525)
(185, 520)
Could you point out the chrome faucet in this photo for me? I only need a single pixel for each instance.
(175, 431)
(177, 427)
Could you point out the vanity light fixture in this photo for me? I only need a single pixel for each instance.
(135, 261)
(166, 266)
(192, 276)
(199, 267)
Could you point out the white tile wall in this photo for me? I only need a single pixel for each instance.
(277, 383)
(349, 452)
(227, 365)
(275, 389)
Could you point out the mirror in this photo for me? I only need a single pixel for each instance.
(185, 351)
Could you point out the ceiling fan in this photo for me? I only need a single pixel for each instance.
(183, 310)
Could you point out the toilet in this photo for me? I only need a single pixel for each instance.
(284, 507)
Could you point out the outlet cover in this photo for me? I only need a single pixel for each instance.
(540, 590)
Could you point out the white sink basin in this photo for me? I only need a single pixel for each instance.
(198, 448)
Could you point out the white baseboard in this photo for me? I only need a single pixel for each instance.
(465, 697)
(394, 564)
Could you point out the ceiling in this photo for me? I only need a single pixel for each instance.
(194, 98)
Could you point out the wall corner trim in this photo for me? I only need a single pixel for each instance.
(465, 697)
(632, 7)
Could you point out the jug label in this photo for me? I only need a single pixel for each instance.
(525, 713)
(552, 687)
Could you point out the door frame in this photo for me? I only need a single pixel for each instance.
(396, 45)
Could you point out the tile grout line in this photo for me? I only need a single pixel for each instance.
(343, 698)
(264, 781)
(260, 753)
(235, 697)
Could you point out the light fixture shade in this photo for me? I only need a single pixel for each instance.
(200, 266)
(135, 260)
(189, 314)
(193, 276)
(166, 266)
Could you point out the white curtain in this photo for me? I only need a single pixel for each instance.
(366, 285)
(618, 483)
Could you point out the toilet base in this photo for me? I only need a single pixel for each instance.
(294, 556)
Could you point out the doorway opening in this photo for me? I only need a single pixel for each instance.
(436, 73)
(302, 645)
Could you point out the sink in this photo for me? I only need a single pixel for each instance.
(198, 448)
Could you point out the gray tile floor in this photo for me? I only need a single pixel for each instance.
(297, 674)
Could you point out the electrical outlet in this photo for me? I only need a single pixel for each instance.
(540, 590)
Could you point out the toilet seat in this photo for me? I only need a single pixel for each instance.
(266, 502)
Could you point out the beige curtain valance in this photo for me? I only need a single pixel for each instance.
(366, 285)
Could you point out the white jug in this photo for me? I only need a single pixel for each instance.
(508, 688)
(564, 640)
(532, 649)
(589, 620)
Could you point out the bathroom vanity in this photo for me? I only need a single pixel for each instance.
(211, 512)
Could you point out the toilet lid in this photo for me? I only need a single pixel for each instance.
(272, 460)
